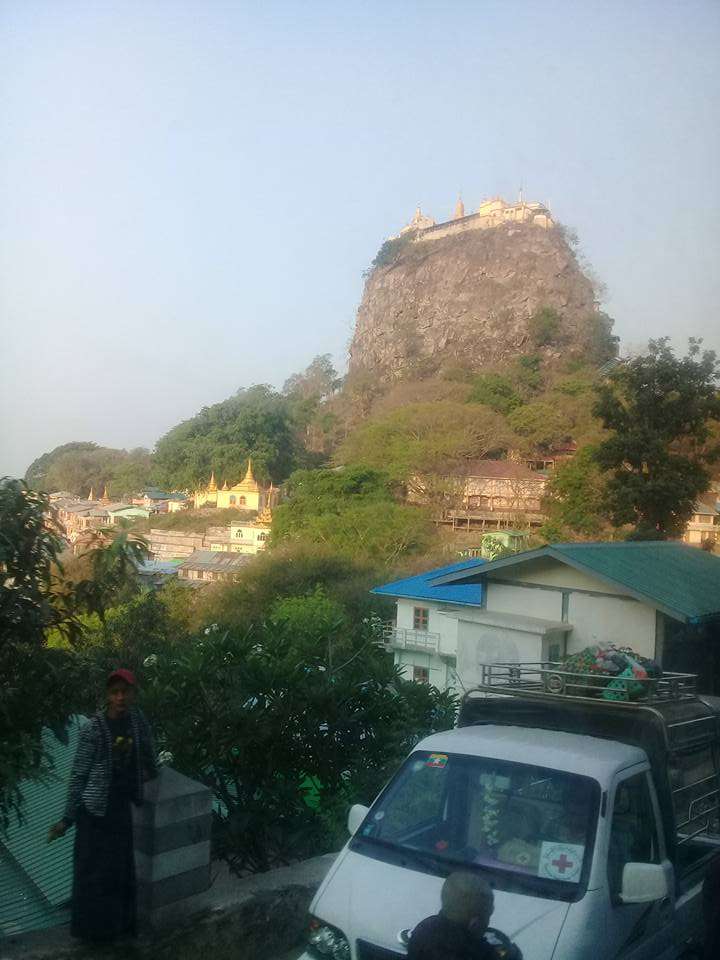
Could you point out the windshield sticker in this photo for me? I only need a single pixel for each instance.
(561, 861)
(437, 760)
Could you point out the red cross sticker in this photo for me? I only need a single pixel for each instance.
(562, 863)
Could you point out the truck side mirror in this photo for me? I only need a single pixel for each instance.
(643, 883)
(356, 815)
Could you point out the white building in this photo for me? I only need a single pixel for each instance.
(542, 604)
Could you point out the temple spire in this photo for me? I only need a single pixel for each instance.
(249, 476)
(459, 209)
(91, 495)
(105, 496)
(212, 486)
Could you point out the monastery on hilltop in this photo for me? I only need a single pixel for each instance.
(245, 495)
(490, 213)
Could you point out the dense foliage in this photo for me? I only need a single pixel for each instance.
(257, 423)
(36, 683)
(659, 408)
(425, 437)
(289, 724)
(351, 511)
(81, 467)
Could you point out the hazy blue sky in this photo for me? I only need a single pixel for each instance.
(190, 191)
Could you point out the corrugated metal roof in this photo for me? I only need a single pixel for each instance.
(214, 561)
(36, 877)
(496, 470)
(420, 587)
(680, 580)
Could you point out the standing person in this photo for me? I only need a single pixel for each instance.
(115, 756)
(458, 931)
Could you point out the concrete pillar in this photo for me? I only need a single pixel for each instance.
(172, 844)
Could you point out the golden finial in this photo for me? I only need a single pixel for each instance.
(459, 209)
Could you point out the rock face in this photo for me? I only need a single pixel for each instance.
(468, 301)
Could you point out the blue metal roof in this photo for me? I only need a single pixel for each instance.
(420, 587)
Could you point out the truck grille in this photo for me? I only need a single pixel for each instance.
(368, 951)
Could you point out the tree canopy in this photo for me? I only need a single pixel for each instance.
(425, 437)
(352, 511)
(80, 467)
(659, 408)
(256, 422)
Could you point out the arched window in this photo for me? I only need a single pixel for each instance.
(232, 500)
(242, 501)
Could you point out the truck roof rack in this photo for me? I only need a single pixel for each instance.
(682, 717)
(549, 679)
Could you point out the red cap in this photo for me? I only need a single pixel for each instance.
(127, 675)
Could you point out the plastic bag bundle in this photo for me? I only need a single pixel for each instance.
(618, 673)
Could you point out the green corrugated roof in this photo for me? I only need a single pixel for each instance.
(36, 877)
(680, 580)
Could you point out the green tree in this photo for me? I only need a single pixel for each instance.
(544, 327)
(351, 511)
(576, 496)
(495, 390)
(257, 423)
(80, 467)
(659, 408)
(290, 736)
(292, 570)
(37, 684)
(425, 438)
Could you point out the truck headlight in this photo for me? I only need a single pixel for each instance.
(327, 941)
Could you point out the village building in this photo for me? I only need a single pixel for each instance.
(703, 528)
(490, 213)
(660, 598)
(208, 565)
(248, 537)
(485, 494)
(247, 494)
(160, 501)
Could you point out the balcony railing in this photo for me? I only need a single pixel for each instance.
(402, 638)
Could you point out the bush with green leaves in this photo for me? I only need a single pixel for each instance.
(288, 723)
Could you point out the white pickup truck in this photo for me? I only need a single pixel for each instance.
(594, 821)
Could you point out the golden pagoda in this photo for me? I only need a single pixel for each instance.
(459, 209)
(246, 495)
(207, 496)
(91, 495)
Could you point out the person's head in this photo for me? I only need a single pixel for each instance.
(120, 692)
(467, 899)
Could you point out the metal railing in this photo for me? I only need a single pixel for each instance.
(403, 638)
(551, 679)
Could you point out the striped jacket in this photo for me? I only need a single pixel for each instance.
(92, 768)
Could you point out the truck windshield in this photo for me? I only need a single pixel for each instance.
(531, 827)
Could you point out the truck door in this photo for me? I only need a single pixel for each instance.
(636, 930)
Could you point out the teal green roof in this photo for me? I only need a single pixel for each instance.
(36, 877)
(679, 580)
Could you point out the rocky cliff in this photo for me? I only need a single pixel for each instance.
(469, 301)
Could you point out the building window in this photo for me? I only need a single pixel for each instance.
(238, 533)
(421, 674)
(232, 500)
(421, 617)
(242, 501)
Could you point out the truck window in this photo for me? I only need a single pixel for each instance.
(531, 827)
(633, 833)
